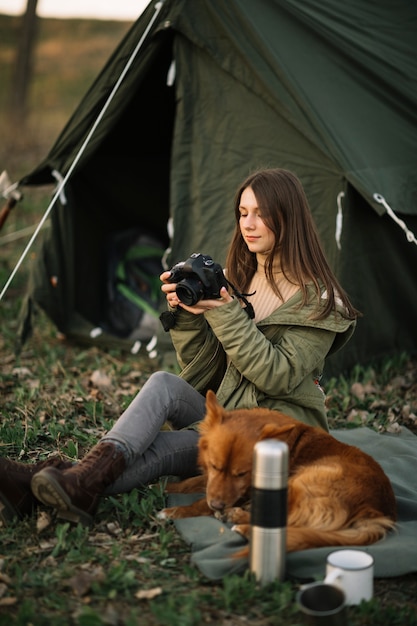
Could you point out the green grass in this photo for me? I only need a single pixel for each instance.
(129, 568)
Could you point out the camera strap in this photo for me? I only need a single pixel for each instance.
(167, 319)
(248, 308)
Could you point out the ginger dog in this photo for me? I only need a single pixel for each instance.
(337, 494)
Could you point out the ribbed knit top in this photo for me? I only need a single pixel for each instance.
(265, 301)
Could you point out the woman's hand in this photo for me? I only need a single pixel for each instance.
(169, 289)
(205, 305)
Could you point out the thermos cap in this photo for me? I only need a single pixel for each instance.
(270, 464)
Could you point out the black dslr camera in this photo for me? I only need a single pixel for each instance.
(197, 278)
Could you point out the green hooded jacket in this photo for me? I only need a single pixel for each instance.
(276, 363)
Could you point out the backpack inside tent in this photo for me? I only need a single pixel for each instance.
(198, 94)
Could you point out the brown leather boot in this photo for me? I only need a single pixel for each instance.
(75, 492)
(16, 497)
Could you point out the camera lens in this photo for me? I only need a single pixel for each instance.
(189, 291)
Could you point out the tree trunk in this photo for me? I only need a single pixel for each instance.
(24, 61)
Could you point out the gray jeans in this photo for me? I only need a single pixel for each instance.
(150, 452)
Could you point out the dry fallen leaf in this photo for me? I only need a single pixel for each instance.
(137, 559)
(22, 372)
(81, 582)
(8, 601)
(100, 539)
(148, 594)
(114, 528)
(100, 380)
(394, 428)
(360, 391)
(43, 521)
(4, 578)
(49, 561)
(46, 545)
(357, 417)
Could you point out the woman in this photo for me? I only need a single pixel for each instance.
(273, 358)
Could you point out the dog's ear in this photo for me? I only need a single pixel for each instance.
(214, 411)
(211, 398)
(272, 431)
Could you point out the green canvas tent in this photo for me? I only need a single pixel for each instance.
(213, 89)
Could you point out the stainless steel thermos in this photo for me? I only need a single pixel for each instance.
(269, 510)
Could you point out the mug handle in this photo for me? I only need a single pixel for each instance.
(333, 575)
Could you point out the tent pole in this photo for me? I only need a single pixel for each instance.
(60, 187)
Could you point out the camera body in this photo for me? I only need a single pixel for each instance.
(197, 278)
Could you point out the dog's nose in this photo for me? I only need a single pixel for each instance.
(217, 505)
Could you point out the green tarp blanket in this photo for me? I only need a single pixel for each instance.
(213, 543)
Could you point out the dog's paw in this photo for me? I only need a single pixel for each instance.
(236, 515)
(167, 513)
(242, 529)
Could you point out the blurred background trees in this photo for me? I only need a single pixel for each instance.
(22, 74)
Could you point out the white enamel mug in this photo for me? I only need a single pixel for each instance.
(353, 572)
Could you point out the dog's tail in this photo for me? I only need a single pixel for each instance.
(362, 533)
(241, 554)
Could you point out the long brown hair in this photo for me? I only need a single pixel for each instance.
(285, 211)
